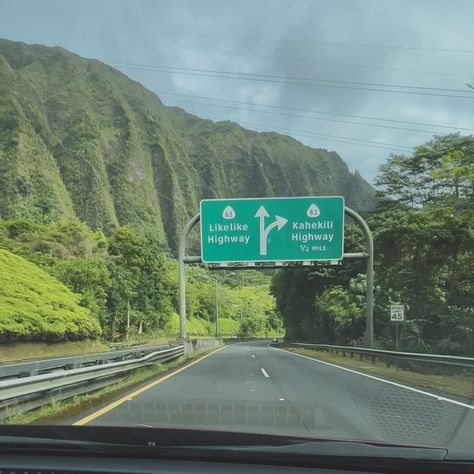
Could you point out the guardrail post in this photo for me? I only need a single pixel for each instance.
(182, 274)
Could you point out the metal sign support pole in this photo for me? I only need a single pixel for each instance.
(369, 243)
(217, 309)
(182, 274)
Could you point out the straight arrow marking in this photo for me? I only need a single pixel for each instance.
(261, 214)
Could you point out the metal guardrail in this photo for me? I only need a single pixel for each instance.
(26, 393)
(456, 361)
(37, 367)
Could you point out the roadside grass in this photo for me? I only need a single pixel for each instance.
(457, 385)
(42, 350)
(24, 351)
(59, 411)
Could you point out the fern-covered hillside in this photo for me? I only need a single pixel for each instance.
(36, 306)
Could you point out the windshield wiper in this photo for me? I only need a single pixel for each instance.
(20, 443)
(151, 444)
(312, 448)
(353, 449)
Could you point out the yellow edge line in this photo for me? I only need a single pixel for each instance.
(132, 395)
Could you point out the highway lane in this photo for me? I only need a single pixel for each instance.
(253, 387)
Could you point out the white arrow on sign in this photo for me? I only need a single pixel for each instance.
(279, 223)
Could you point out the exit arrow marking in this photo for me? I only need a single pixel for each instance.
(279, 223)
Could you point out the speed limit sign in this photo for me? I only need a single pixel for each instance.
(397, 312)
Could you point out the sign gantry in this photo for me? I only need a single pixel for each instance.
(272, 233)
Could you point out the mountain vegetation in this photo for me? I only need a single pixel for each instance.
(98, 178)
(79, 139)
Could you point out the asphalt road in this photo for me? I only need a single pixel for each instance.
(253, 387)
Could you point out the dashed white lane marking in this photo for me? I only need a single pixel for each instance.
(264, 372)
(251, 390)
(281, 399)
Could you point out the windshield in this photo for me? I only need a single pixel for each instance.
(242, 216)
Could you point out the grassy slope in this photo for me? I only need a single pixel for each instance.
(45, 350)
(35, 306)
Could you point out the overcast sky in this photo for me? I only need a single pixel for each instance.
(263, 63)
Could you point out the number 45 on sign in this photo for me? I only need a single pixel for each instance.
(397, 312)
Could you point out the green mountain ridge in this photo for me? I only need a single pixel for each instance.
(79, 139)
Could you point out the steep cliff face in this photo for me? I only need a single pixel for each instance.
(80, 139)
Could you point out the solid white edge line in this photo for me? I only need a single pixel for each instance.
(428, 394)
(264, 372)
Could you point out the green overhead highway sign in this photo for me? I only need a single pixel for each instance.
(272, 229)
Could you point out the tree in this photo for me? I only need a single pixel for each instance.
(443, 167)
(340, 312)
(143, 287)
(296, 291)
(90, 277)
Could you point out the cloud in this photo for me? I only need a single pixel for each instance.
(347, 40)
